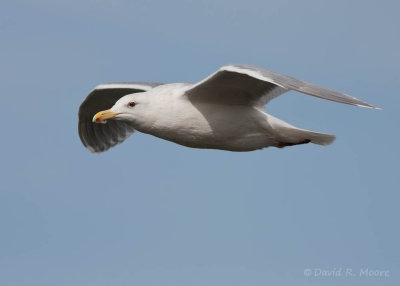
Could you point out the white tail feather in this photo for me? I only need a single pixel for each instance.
(319, 138)
(289, 135)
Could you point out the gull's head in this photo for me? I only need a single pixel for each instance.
(128, 108)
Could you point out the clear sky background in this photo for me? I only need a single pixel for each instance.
(150, 212)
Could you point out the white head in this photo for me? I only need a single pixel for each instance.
(131, 107)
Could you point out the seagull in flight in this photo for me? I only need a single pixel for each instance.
(225, 111)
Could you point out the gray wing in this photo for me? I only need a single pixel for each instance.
(100, 137)
(244, 84)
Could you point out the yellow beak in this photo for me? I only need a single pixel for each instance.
(104, 115)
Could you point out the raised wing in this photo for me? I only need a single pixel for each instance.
(100, 137)
(244, 84)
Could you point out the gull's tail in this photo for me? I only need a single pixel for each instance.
(315, 137)
(288, 135)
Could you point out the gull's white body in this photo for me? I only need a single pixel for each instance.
(170, 115)
(225, 111)
(173, 117)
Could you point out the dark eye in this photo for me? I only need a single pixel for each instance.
(131, 104)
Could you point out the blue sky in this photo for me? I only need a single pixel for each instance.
(150, 212)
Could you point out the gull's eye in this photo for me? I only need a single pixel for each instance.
(131, 104)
